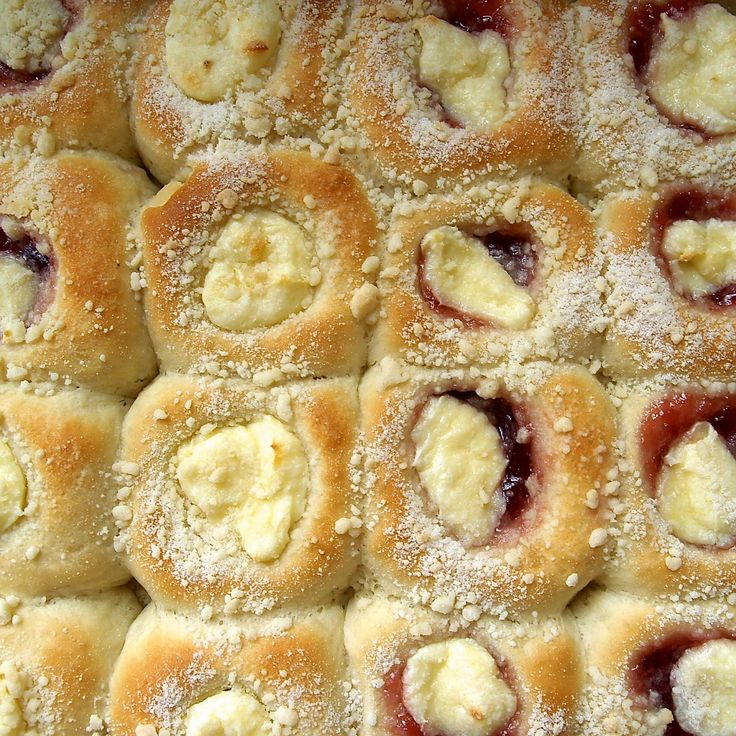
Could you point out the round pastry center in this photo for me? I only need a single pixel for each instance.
(229, 713)
(12, 722)
(18, 290)
(471, 278)
(455, 688)
(697, 491)
(468, 71)
(467, 495)
(12, 488)
(262, 272)
(704, 688)
(691, 74)
(701, 255)
(249, 477)
(214, 46)
(30, 32)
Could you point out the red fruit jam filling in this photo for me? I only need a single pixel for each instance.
(13, 78)
(671, 417)
(651, 670)
(476, 16)
(692, 203)
(512, 247)
(401, 722)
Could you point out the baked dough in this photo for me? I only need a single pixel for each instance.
(87, 325)
(210, 528)
(292, 665)
(312, 310)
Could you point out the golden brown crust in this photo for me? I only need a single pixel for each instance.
(625, 141)
(409, 139)
(652, 329)
(295, 664)
(542, 659)
(408, 550)
(172, 129)
(323, 340)
(649, 559)
(614, 628)
(66, 444)
(566, 286)
(84, 102)
(92, 333)
(183, 569)
(63, 651)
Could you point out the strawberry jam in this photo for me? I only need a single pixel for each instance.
(476, 16)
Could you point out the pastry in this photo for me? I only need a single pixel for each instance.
(63, 66)
(444, 90)
(242, 499)
(212, 72)
(275, 674)
(68, 312)
(266, 267)
(521, 527)
(56, 658)
(513, 270)
(58, 498)
(420, 672)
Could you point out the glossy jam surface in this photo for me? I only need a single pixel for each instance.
(643, 20)
(400, 721)
(13, 78)
(671, 417)
(692, 203)
(25, 250)
(511, 247)
(651, 670)
(507, 419)
(476, 16)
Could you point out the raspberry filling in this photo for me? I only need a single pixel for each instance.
(651, 670)
(671, 417)
(476, 16)
(511, 247)
(699, 205)
(25, 250)
(12, 78)
(401, 722)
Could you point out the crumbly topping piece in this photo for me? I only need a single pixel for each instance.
(30, 31)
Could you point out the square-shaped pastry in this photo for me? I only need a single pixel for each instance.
(675, 527)
(486, 489)
(284, 675)
(63, 69)
(671, 272)
(57, 497)
(56, 659)
(242, 498)
(232, 71)
(68, 313)
(504, 271)
(445, 90)
(658, 92)
(422, 673)
(255, 265)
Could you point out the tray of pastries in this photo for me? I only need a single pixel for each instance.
(367, 368)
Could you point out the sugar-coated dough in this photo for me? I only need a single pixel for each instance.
(29, 33)
(18, 289)
(697, 492)
(212, 46)
(468, 71)
(228, 713)
(448, 433)
(702, 255)
(12, 487)
(253, 476)
(455, 688)
(463, 275)
(261, 272)
(691, 72)
(704, 689)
